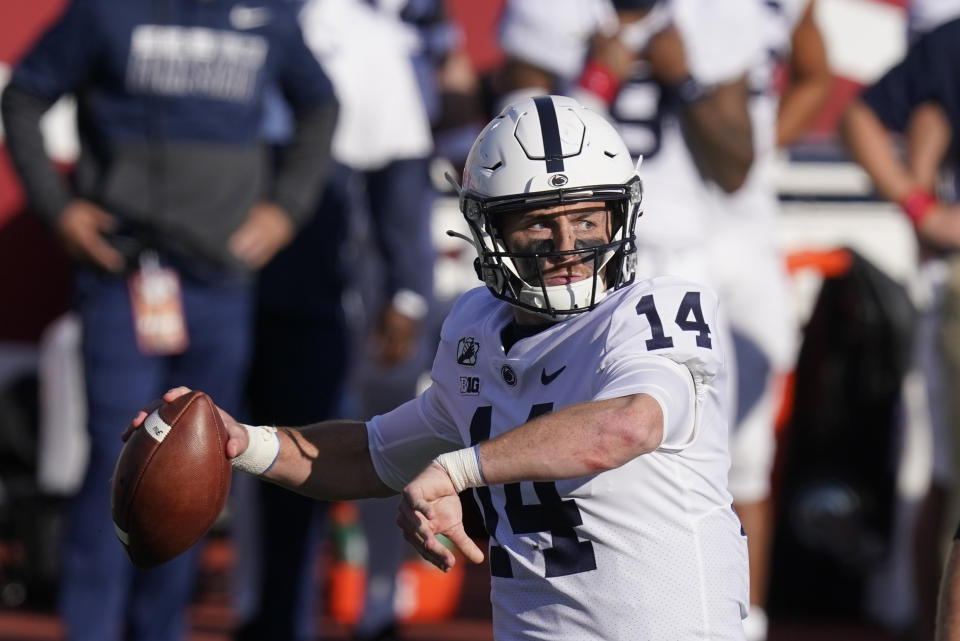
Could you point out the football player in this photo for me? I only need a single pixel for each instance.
(585, 407)
(682, 103)
(745, 259)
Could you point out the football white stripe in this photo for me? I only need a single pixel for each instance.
(156, 427)
(123, 536)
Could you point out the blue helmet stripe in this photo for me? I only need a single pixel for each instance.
(552, 150)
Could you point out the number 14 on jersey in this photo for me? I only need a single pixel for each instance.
(689, 319)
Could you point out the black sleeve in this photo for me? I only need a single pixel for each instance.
(305, 161)
(47, 191)
(918, 78)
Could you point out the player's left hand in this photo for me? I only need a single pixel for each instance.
(266, 231)
(430, 506)
(237, 437)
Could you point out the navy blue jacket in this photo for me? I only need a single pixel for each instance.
(930, 72)
(170, 98)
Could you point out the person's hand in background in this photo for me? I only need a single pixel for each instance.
(394, 339)
(267, 230)
(81, 227)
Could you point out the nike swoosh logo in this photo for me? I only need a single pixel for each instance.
(546, 379)
(244, 18)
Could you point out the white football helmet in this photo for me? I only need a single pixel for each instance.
(540, 152)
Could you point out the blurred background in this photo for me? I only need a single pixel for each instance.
(852, 472)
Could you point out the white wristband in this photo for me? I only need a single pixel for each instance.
(261, 452)
(410, 304)
(463, 468)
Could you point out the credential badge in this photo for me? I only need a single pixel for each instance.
(467, 350)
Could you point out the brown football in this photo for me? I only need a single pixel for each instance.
(171, 480)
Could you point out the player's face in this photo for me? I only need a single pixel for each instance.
(555, 229)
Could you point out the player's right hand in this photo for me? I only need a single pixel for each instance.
(430, 506)
(81, 226)
(237, 437)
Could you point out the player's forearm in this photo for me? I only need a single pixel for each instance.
(928, 141)
(810, 80)
(720, 135)
(871, 146)
(576, 441)
(799, 106)
(327, 460)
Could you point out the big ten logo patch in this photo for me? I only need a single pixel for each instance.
(470, 385)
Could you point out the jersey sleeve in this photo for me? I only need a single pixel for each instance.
(536, 32)
(713, 39)
(403, 441)
(663, 342)
(668, 382)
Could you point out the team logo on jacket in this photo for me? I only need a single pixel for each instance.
(467, 350)
(243, 18)
(470, 385)
(509, 376)
(218, 64)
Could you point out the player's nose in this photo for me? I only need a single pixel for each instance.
(564, 238)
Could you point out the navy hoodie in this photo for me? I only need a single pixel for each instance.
(170, 97)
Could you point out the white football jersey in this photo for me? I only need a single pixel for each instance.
(651, 550)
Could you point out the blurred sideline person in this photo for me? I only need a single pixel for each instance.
(751, 275)
(389, 92)
(379, 191)
(171, 215)
(681, 97)
(917, 98)
(585, 408)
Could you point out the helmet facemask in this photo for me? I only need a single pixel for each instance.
(542, 153)
(517, 276)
